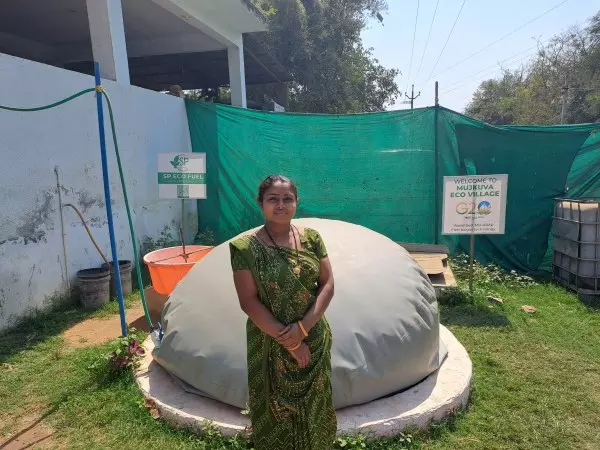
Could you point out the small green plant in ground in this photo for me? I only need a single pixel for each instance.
(489, 274)
(401, 441)
(125, 355)
(455, 296)
(350, 442)
(486, 278)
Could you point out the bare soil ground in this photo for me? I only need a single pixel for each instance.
(99, 330)
(32, 432)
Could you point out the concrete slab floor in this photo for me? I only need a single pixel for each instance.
(434, 398)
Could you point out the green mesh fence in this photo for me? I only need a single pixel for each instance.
(384, 171)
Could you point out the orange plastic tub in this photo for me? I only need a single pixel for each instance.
(168, 266)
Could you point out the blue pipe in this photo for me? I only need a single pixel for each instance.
(111, 227)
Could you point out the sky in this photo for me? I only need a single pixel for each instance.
(472, 54)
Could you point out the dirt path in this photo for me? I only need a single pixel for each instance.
(97, 331)
(33, 433)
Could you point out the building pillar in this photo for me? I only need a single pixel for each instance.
(237, 75)
(108, 39)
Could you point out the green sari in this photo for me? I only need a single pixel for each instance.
(290, 408)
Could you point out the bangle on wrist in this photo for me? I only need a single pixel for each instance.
(302, 329)
(295, 347)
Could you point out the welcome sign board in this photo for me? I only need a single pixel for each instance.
(474, 204)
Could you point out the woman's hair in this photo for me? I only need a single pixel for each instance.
(270, 181)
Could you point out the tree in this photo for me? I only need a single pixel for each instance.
(319, 42)
(496, 100)
(211, 95)
(566, 70)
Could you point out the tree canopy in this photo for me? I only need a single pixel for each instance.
(568, 68)
(319, 42)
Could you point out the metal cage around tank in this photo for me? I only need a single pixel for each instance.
(576, 244)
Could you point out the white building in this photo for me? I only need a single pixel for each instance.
(47, 49)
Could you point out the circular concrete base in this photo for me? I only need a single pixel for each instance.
(434, 398)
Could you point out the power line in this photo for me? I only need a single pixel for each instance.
(539, 44)
(428, 36)
(413, 46)
(488, 74)
(493, 66)
(449, 35)
(501, 39)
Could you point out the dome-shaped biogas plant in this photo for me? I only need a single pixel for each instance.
(384, 320)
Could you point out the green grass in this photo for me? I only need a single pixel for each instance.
(536, 381)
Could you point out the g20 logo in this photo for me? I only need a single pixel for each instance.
(483, 208)
(465, 208)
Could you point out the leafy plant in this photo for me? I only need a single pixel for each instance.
(265, 7)
(455, 296)
(486, 276)
(214, 439)
(404, 439)
(206, 237)
(354, 442)
(164, 240)
(350, 442)
(124, 357)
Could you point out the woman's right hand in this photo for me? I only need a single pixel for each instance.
(301, 355)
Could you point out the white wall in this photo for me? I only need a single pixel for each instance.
(32, 264)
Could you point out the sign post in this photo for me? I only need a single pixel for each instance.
(474, 204)
(182, 176)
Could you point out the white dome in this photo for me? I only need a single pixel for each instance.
(384, 320)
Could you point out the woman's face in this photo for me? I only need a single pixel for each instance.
(279, 203)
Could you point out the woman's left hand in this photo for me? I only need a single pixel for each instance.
(290, 336)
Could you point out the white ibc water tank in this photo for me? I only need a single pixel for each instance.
(576, 244)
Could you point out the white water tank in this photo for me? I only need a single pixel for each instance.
(576, 244)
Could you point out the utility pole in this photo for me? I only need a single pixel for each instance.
(563, 111)
(437, 94)
(412, 97)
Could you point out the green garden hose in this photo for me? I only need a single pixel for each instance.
(131, 229)
(101, 91)
(53, 105)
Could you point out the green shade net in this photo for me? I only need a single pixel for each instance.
(583, 181)
(384, 171)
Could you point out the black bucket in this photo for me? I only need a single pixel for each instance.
(93, 286)
(125, 272)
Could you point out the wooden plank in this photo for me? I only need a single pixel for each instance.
(445, 279)
(432, 264)
(436, 266)
(424, 248)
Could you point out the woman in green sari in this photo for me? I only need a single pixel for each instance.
(284, 282)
